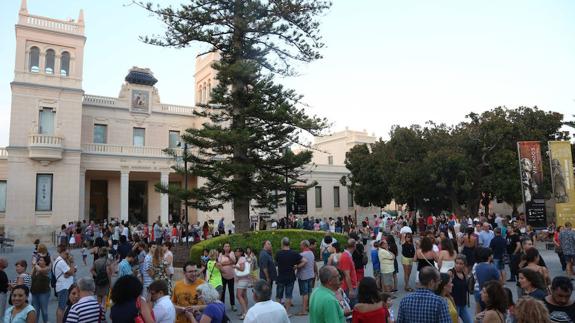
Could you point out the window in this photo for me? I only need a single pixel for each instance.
(34, 60)
(349, 198)
(139, 137)
(174, 137)
(100, 134)
(318, 197)
(3, 196)
(46, 121)
(330, 160)
(44, 192)
(336, 196)
(50, 61)
(65, 64)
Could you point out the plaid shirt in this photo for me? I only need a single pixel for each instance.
(423, 306)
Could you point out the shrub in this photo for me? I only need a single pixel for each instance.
(255, 239)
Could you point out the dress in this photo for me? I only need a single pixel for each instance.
(160, 273)
(20, 317)
(380, 315)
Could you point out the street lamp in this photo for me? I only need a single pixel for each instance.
(287, 188)
(185, 158)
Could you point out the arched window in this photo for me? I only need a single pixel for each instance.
(50, 61)
(65, 64)
(34, 60)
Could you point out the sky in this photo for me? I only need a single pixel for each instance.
(386, 62)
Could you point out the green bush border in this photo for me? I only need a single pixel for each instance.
(255, 239)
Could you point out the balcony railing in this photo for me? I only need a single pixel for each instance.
(58, 25)
(119, 150)
(100, 100)
(45, 147)
(175, 109)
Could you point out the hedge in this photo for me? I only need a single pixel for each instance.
(255, 239)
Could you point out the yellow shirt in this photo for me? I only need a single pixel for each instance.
(385, 261)
(452, 310)
(186, 295)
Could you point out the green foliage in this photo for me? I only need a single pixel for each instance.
(440, 167)
(255, 239)
(250, 120)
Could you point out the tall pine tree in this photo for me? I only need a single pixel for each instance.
(251, 120)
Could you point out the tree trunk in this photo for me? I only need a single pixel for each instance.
(242, 215)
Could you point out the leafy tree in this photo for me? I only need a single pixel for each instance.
(250, 118)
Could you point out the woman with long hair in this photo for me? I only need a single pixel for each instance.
(369, 307)
(127, 301)
(532, 258)
(495, 299)
(160, 267)
(444, 289)
(425, 256)
(460, 289)
(446, 258)
(102, 273)
(532, 284)
(392, 245)
(213, 274)
(531, 310)
(469, 242)
(335, 254)
(20, 311)
(242, 281)
(407, 255)
(227, 260)
(73, 298)
(40, 289)
(558, 248)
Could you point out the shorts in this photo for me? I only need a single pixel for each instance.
(569, 258)
(284, 287)
(406, 261)
(499, 264)
(243, 284)
(305, 286)
(376, 272)
(387, 279)
(62, 299)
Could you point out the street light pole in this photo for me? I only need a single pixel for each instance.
(186, 221)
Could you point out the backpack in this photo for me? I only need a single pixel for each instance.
(101, 278)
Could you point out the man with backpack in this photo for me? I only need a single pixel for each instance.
(62, 279)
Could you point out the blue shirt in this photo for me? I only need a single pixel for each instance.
(483, 273)
(423, 306)
(498, 245)
(485, 238)
(375, 260)
(124, 268)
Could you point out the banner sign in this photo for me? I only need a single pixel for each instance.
(531, 171)
(562, 181)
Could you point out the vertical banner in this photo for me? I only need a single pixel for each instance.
(531, 170)
(562, 180)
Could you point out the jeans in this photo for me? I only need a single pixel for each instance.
(230, 284)
(464, 314)
(3, 301)
(40, 303)
(284, 289)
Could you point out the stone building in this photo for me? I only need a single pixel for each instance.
(76, 156)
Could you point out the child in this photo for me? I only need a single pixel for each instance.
(85, 253)
(204, 259)
(388, 303)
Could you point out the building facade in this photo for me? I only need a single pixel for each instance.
(75, 156)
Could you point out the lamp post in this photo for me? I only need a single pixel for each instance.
(185, 158)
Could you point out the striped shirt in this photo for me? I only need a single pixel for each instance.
(147, 266)
(87, 310)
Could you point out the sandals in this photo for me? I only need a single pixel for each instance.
(409, 289)
(242, 317)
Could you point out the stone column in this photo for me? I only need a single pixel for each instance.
(164, 198)
(124, 184)
(82, 215)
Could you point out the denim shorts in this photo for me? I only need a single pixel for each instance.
(499, 264)
(288, 287)
(62, 299)
(305, 286)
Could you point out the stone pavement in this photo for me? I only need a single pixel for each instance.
(25, 252)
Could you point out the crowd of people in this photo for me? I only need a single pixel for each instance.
(132, 274)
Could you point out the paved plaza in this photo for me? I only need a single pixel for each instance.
(25, 252)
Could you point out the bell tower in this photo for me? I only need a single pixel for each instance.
(205, 77)
(44, 148)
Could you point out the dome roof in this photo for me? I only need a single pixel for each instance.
(141, 76)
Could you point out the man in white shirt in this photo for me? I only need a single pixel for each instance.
(265, 310)
(164, 310)
(64, 279)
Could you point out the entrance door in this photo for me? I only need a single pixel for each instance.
(98, 200)
(138, 202)
(175, 205)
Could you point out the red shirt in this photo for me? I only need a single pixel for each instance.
(430, 220)
(381, 315)
(346, 263)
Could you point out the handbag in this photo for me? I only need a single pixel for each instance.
(243, 273)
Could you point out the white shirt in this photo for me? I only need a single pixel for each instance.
(60, 268)
(267, 312)
(125, 232)
(164, 310)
